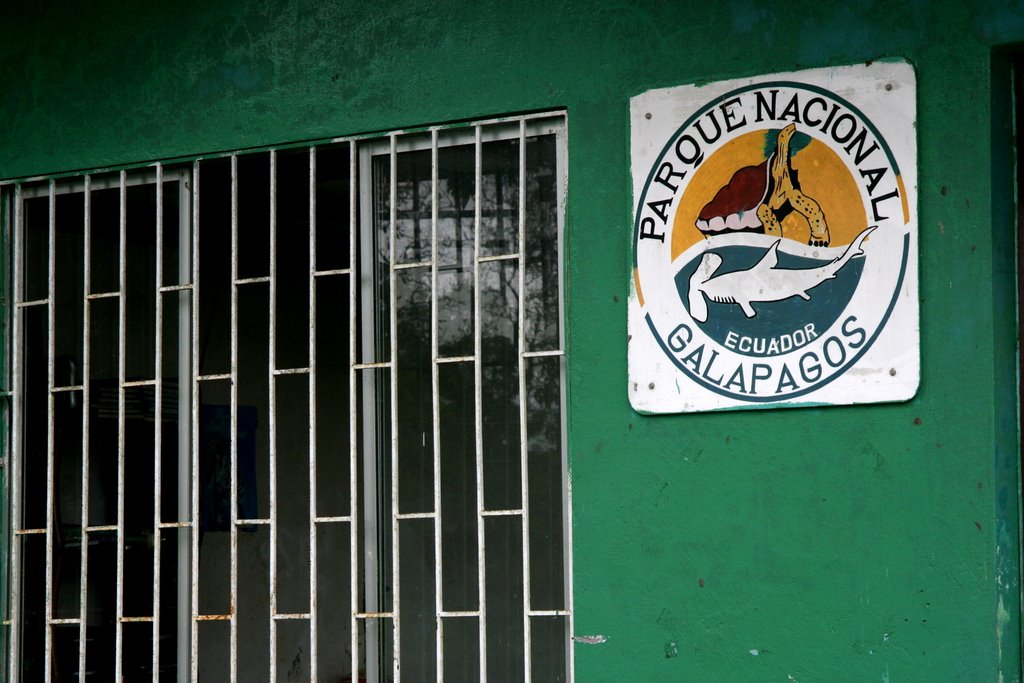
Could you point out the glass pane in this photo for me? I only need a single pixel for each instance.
(548, 641)
(334, 610)
(35, 248)
(70, 306)
(292, 452)
(415, 386)
(455, 250)
(254, 215)
(546, 482)
(140, 282)
(413, 203)
(419, 628)
(333, 450)
(292, 323)
(214, 267)
(458, 489)
(499, 198)
(292, 651)
(504, 542)
(462, 650)
(253, 603)
(333, 207)
(499, 323)
(542, 276)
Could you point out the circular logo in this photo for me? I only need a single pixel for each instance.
(771, 241)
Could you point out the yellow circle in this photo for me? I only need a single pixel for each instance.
(823, 177)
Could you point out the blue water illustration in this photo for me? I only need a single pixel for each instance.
(776, 318)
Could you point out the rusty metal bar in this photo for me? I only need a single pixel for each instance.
(251, 280)
(176, 288)
(30, 304)
(335, 271)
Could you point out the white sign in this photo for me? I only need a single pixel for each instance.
(775, 241)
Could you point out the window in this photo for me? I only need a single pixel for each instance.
(294, 414)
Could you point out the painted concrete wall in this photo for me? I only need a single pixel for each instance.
(868, 543)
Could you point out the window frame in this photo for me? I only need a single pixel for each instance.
(361, 150)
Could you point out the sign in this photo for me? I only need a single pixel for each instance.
(775, 241)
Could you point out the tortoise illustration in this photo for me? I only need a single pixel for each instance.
(758, 198)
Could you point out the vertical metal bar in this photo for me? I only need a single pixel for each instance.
(392, 286)
(14, 656)
(562, 176)
(523, 446)
(51, 295)
(7, 307)
(478, 404)
(194, 383)
(435, 411)
(184, 514)
(312, 420)
(121, 346)
(371, 417)
(86, 315)
(233, 665)
(158, 412)
(353, 375)
(272, 413)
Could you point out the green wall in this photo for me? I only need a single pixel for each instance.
(873, 543)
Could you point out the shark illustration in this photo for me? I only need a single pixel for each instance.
(762, 283)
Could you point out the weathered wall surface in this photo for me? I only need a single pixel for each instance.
(868, 543)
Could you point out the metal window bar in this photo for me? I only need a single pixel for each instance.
(272, 411)
(311, 377)
(122, 325)
(562, 171)
(187, 293)
(353, 424)
(5, 452)
(478, 419)
(193, 594)
(14, 596)
(524, 446)
(158, 364)
(435, 411)
(233, 579)
(86, 404)
(396, 602)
